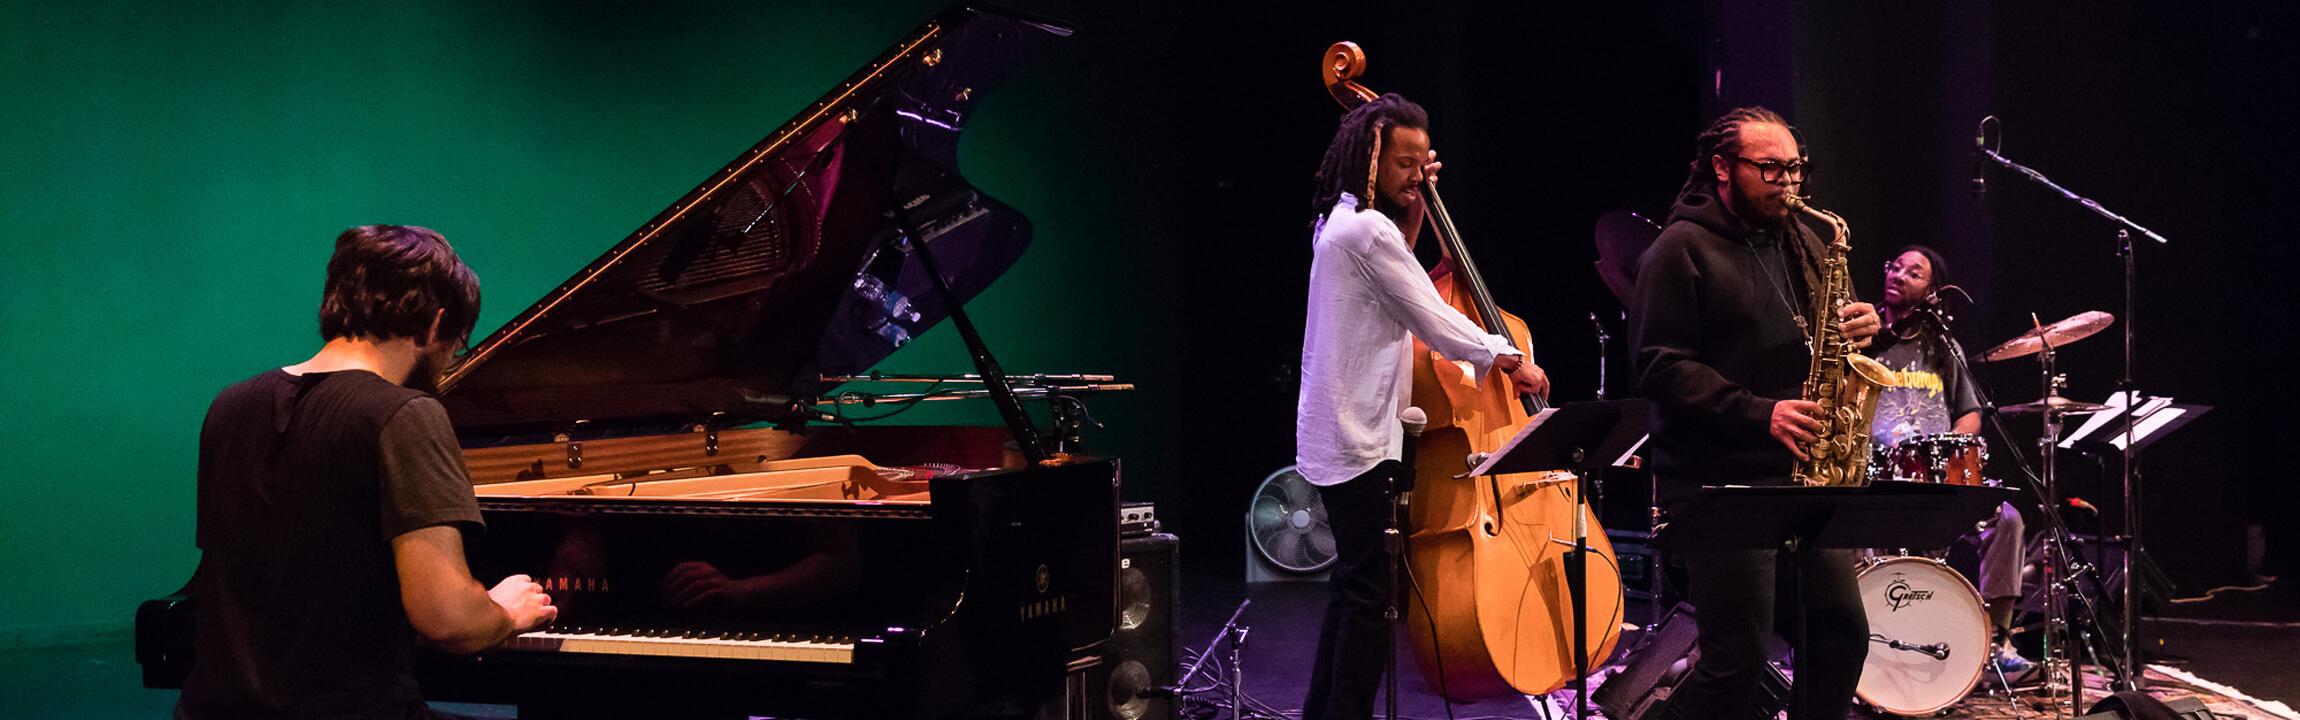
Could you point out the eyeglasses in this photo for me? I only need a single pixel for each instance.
(1915, 272)
(1774, 171)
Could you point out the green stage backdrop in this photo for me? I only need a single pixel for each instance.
(171, 180)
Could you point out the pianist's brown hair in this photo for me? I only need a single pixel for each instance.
(387, 281)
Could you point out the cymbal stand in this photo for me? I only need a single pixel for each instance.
(2065, 567)
(1604, 344)
(2056, 602)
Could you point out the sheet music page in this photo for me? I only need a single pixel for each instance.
(1623, 461)
(1486, 468)
(2094, 423)
(2141, 429)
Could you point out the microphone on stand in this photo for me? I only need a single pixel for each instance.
(1980, 184)
(1414, 421)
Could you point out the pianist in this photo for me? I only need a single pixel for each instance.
(333, 502)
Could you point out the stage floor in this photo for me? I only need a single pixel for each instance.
(2247, 642)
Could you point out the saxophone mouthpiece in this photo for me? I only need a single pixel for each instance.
(1793, 200)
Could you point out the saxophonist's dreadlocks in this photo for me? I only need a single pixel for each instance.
(1723, 136)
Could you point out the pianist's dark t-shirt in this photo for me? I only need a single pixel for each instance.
(303, 481)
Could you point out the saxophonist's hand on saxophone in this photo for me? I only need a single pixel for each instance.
(1796, 424)
(1860, 323)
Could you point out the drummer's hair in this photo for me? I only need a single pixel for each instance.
(1932, 343)
(1940, 274)
(1722, 136)
(1351, 157)
(389, 281)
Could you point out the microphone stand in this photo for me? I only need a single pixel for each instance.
(1399, 482)
(1236, 634)
(2128, 645)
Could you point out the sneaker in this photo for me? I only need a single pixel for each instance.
(2006, 665)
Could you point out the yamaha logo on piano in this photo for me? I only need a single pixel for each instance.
(573, 584)
(1045, 608)
(1041, 580)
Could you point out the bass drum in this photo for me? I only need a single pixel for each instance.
(1928, 636)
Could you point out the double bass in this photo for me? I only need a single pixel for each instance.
(1492, 611)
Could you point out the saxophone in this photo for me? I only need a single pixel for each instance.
(1845, 383)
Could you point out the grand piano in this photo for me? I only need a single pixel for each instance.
(646, 441)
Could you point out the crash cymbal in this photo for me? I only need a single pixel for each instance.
(2076, 327)
(2054, 404)
(1622, 236)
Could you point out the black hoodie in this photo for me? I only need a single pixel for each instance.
(1715, 342)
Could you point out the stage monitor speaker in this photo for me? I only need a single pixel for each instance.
(1140, 654)
(2131, 705)
(1659, 664)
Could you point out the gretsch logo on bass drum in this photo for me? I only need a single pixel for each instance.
(1900, 595)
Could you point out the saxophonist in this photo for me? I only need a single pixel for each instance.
(1721, 327)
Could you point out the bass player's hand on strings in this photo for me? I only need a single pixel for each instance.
(1527, 377)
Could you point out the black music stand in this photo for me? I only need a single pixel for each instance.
(1797, 519)
(1586, 438)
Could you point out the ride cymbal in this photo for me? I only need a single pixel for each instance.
(2075, 327)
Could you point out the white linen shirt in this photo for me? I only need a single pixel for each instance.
(1368, 299)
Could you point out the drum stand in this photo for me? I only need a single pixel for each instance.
(2064, 567)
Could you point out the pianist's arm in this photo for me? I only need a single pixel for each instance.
(426, 507)
(448, 608)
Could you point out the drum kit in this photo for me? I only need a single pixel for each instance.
(1930, 622)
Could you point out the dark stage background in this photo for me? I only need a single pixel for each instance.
(174, 175)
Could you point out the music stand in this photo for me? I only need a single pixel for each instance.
(1797, 519)
(1585, 438)
(2103, 435)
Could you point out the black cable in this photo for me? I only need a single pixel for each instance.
(838, 410)
(1414, 581)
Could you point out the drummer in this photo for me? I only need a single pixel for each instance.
(1937, 397)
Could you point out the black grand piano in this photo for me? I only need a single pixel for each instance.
(640, 442)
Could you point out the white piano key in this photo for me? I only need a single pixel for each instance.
(786, 650)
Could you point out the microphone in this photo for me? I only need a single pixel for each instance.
(1414, 421)
(1980, 183)
(1938, 651)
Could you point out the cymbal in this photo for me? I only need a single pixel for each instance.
(1622, 236)
(2076, 327)
(2054, 404)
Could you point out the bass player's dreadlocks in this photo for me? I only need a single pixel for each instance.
(1351, 159)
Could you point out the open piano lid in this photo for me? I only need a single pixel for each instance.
(730, 303)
